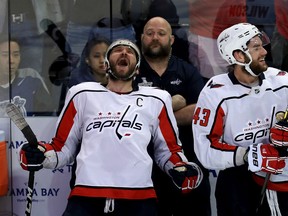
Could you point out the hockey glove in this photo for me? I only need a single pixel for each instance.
(31, 158)
(279, 134)
(186, 176)
(266, 158)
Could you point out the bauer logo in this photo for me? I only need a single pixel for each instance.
(255, 155)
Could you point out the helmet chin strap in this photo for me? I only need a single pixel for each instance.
(113, 75)
(247, 65)
(247, 68)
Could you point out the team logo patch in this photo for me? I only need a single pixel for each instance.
(214, 85)
(18, 101)
(145, 82)
(119, 121)
(281, 73)
(176, 82)
(255, 130)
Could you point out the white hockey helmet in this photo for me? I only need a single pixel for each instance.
(122, 42)
(237, 37)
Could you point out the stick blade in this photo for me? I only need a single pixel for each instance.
(16, 116)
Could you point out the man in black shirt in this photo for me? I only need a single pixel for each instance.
(182, 80)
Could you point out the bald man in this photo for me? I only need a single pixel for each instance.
(183, 81)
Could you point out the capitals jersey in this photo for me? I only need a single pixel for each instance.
(112, 132)
(230, 116)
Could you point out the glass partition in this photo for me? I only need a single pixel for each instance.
(43, 44)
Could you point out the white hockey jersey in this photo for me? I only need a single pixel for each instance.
(108, 133)
(230, 116)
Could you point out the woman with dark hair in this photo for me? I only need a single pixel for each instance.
(92, 66)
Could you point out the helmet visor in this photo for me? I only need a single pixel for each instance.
(265, 39)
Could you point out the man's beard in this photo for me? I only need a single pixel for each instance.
(257, 68)
(164, 51)
(117, 76)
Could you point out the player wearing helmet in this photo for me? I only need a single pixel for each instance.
(237, 37)
(232, 121)
(118, 46)
(106, 131)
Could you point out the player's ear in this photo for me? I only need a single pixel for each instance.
(172, 39)
(239, 56)
(137, 72)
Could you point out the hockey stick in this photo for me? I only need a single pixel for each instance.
(263, 190)
(57, 36)
(268, 175)
(16, 116)
(60, 69)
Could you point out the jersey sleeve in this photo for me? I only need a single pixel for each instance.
(68, 132)
(207, 125)
(167, 146)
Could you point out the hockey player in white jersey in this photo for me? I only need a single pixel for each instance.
(231, 125)
(112, 126)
